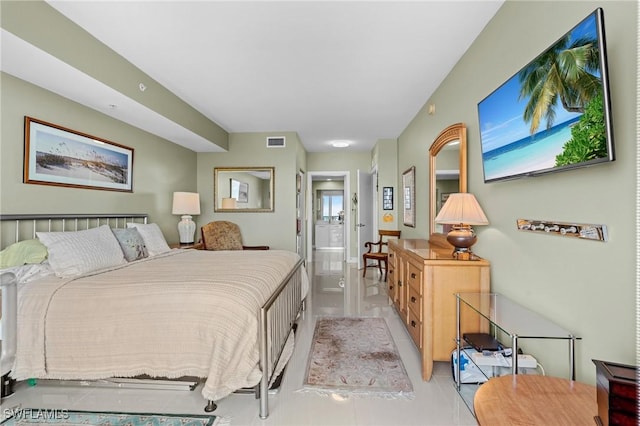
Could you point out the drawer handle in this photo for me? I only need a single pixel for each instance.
(413, 324)
(413, 299)
(399, 283)
(413, 275)
(390, 287)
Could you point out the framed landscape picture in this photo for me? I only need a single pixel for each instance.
(55, 155)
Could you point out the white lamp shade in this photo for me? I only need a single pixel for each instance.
(228, 203)
(186, 203)
(462, 208)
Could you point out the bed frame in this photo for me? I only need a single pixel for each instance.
(276, 317)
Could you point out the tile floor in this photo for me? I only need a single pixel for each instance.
(337, 289)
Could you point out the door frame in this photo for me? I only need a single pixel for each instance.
(366, 232)
(346, 177)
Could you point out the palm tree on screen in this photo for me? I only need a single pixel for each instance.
(568, 72)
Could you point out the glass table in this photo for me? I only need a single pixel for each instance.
(499, 315)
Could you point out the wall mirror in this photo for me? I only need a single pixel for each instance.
(243, 189)
(447, 174)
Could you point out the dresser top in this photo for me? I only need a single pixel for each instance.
(424, 249)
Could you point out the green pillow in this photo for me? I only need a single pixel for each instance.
(23, 253)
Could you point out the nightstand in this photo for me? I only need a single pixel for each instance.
(194, 246)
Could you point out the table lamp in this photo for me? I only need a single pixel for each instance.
(462, 210)
(186, 204)
(228, 203)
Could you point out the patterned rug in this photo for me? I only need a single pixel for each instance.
(355, 357)
(33, 416)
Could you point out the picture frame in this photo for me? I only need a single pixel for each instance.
(58, 156)
(409, 197)
(387, 198)
(444, 197)
(239, 191)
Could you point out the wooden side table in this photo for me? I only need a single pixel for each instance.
(193, 246)
(526, 399)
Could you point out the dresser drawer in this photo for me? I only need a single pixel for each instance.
(391, 276)
(623, 390)
(414, 325)
(415, 303)
(391, 261)
(414, 278)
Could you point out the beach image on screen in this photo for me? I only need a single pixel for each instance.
(550, 114)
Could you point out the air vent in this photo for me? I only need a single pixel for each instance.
(276, 142)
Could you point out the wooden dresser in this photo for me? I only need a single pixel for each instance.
(422, 281)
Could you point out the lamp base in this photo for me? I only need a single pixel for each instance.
(186, 229)
(462, 237)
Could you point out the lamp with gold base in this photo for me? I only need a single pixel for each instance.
(462, 210)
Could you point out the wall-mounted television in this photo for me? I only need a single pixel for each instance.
(554, 114)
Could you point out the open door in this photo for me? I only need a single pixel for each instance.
(301, 214)
(364, 210)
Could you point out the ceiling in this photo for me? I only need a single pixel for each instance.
(350, 70)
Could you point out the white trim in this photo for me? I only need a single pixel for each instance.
(346, 175)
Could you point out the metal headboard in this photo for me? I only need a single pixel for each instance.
(18, 227)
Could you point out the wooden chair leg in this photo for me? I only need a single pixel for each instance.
(385, 270)
(380, 267)
(364, 270)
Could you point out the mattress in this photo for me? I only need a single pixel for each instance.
(182, 313)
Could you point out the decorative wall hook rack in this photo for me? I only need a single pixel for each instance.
(565, 229)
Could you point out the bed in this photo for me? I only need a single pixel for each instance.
(225, 316)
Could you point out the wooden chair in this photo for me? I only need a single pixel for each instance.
(223, 235)
(379, 254)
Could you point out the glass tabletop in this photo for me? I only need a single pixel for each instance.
(513, 318)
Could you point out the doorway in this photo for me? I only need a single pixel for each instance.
(322, 193)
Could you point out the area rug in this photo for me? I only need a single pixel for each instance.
(33, 416)
(355, 357)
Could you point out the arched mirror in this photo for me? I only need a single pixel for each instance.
(447, 174)
(243, 189)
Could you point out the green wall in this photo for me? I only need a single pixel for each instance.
(586, 287)
(349, 162)
(276, 229)
(385, 160)
(159, 166)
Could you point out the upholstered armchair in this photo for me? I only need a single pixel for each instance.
(377, 251)
(224, 235)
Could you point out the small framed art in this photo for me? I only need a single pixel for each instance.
(240, 191)
(387, 198)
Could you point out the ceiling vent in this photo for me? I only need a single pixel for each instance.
(276, 142)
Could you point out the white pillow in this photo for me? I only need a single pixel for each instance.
(30, 272)
(80, 252)
(152, 236)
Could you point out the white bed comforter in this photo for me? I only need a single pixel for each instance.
(184, 313)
